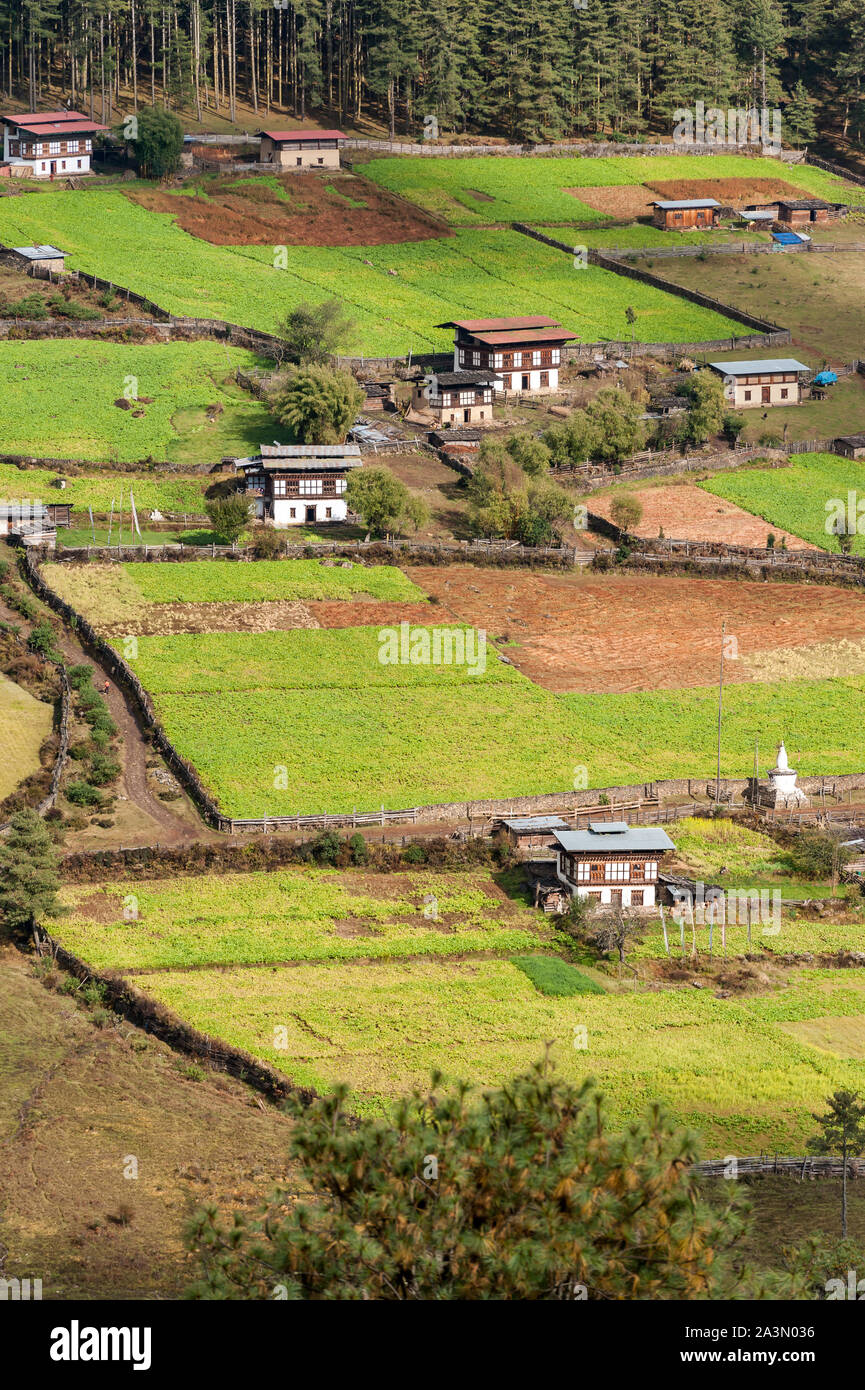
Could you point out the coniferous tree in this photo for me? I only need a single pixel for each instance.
(28, 874)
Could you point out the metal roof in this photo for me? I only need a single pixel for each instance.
(40, 253)
(536, 823)
(474, 325)
(758, 215)
(761, 366)
(688, 203)
(318, 451)
(806, 204)
(304, 135)
(53, 122)
(527, 337)
(473, 378)
(606, 836)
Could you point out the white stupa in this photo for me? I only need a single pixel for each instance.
(782, 790)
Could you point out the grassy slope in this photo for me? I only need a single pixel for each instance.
(63, 401)
(796, 498)
(25, 723)
(474, 273)
(536, 189)
(74, 1100)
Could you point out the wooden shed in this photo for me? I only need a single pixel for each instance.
(800, 212)
(682, 213)
(533, 835)
(852, 446)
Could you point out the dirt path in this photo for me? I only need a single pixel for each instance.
(178, 824)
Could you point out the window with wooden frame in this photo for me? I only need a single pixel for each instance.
(650, 869)
(556, 356)
(617, 870)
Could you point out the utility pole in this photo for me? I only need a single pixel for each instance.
(720, 711)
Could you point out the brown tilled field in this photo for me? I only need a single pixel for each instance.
(634, 632)
(332, 209)
(727, 190)
(635, 200)
(626, 200)
(683, 510)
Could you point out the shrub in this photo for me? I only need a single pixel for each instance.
(359, 849)
(103, 770)
(82, 794)
(414, 854)
(326, 847)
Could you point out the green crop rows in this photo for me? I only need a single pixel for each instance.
(59, 398)
(294, 915)
(473, 273)
(527, 190)
(728, 1067)
(799, 498)
(211, 581)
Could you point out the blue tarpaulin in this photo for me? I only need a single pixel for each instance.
(787, 238)
(825, 379)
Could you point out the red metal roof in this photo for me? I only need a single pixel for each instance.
(53, 122)
(557, 335)
(304, 134)
(475, 325)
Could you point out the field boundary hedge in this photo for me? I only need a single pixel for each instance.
(154, 1018)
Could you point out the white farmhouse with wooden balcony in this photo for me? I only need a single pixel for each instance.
(49, 144)
(299, 484)
(611, 862)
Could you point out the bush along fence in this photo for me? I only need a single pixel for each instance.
(386, 552)
(145, 1013)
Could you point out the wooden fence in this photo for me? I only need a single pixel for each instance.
(780, 1164)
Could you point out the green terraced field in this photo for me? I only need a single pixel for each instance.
(535, 190)
(473, 273)
(729, 1067)
(62, 401)
(294, 915)
(114, 593)
(796, 498)
(165, 493)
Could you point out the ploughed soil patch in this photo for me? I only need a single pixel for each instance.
(312, 209)
(558, 626)
(727, 190)
(163, 619)
(627, 200)
(683, 511)
(328, 612)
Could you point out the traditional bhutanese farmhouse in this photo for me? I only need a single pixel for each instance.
(301, 149)
(612, 862)
(675, 216)
(524, 353)
(774, 381)
(456, 398)
(299, 484)
(49, 144)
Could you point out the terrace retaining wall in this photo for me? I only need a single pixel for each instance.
(154, 1018)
